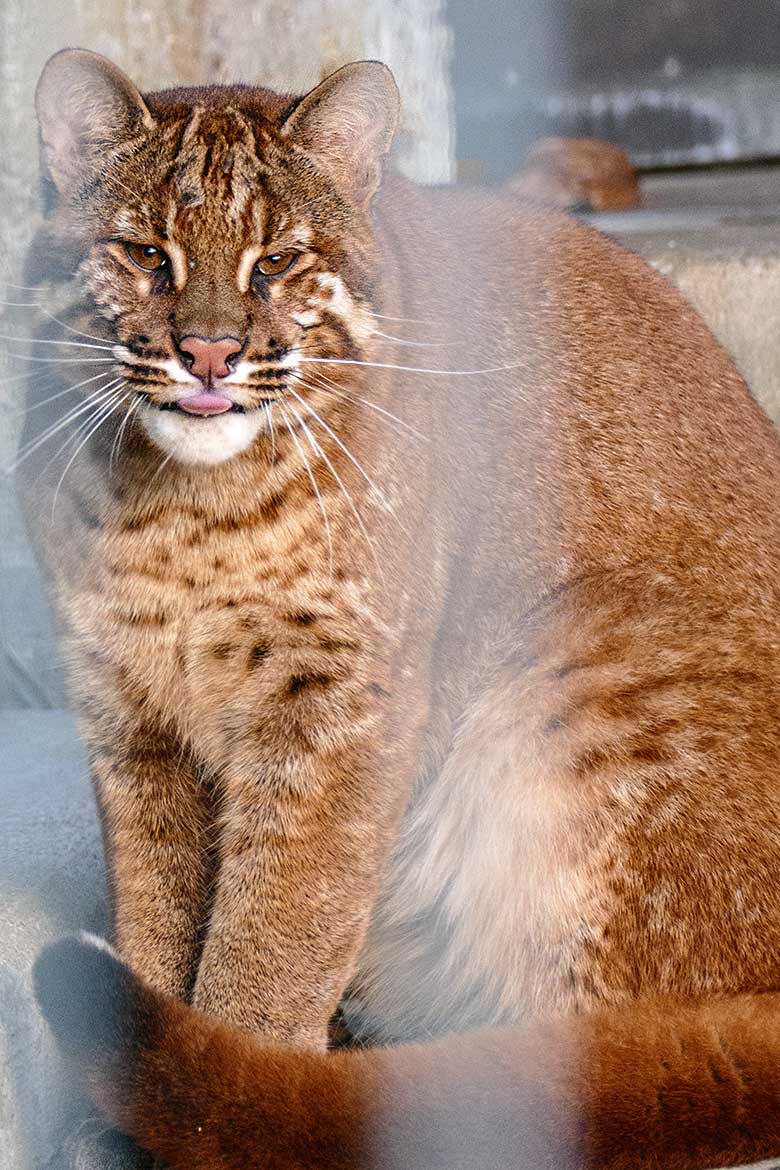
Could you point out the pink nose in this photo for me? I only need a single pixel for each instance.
(210, 358)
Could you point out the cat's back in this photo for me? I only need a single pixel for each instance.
(599, 379)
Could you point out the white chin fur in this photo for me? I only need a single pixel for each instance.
(203, 441)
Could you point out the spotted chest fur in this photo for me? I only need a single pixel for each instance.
(206, 627)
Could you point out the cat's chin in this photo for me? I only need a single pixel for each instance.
(202, 441)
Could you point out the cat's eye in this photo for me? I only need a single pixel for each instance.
(146, 256)
(276, 263)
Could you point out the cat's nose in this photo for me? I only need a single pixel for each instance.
(208, 358)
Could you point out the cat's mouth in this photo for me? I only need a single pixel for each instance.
(205, 425)
(207, 404)
(204, 405)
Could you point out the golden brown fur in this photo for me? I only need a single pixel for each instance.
(586, 173)
(490, 737)
(657, 1086)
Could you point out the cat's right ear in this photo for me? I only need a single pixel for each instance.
(85, 106)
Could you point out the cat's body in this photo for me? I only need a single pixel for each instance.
(489, 738)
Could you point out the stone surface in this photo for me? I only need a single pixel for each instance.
(51, 883)
(710, 117)
(242, 41)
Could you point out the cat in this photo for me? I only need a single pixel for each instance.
(418, 561)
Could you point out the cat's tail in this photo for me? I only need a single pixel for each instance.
(657, 1085)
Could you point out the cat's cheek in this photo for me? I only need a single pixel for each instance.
(204, 441)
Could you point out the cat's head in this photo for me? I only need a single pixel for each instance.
(222, 234)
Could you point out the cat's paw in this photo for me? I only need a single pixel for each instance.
(95, 1146)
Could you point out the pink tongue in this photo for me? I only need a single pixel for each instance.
(205, 404)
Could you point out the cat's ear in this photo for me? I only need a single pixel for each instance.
(85, 106)
(348, 123)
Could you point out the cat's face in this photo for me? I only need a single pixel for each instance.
(226, 245)
(231, 263)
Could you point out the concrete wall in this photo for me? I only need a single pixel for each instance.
(672, 81)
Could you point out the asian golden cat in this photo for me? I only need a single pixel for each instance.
(418, 563)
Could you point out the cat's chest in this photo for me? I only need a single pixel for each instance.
(204, 632)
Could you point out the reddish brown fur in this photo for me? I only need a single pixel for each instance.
(569, 172)
(559, 649)
(658, 1086)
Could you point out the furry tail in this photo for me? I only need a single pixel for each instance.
(657, 1086)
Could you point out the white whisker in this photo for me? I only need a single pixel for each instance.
(23, 287)
(77, 433)
(347, 452)
(51, 431)
(410, 369)
(105, 411)
(347, 496)
(403, 340)
(47, 381)
(71, 328)
(60, 393)
(310, 473)
(46, 341)
(333, 388)
(82, 405)
(161, 467)
(116, 446)
(20, 377)
(268, 408)
(61, 361)
(410, 320)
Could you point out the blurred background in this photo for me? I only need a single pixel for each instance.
(673, 82)
(689, 89)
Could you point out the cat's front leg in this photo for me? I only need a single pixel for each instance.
(303, 839)
(156, 816)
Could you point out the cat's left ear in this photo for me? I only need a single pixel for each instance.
(348, 123)
(86, 106)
